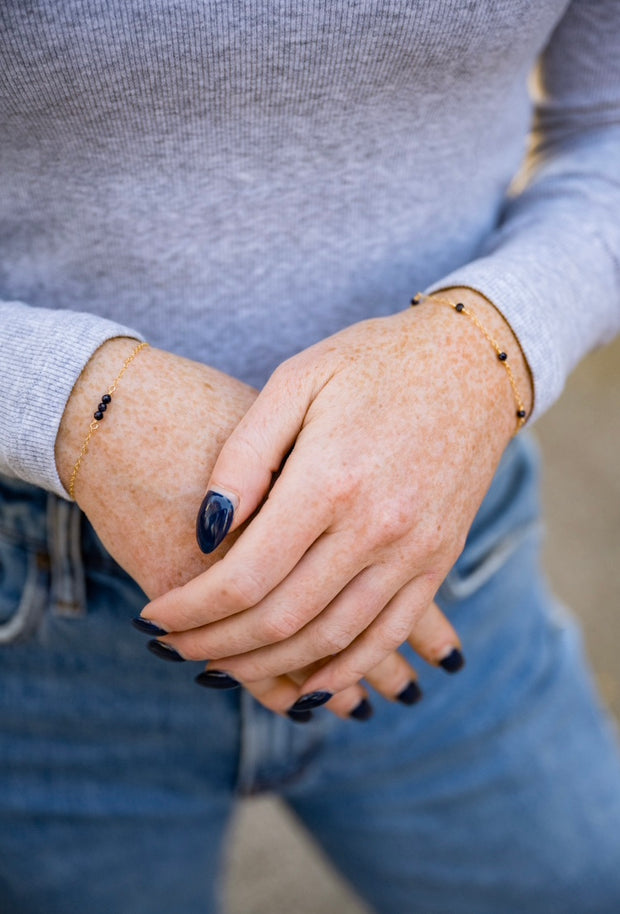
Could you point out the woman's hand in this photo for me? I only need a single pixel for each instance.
(396, 427)
(150, 458)
(146, 471)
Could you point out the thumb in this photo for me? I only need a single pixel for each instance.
(242, 475)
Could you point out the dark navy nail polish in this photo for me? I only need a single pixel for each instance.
(165, 651)
(300, 717)
(213, 522)
(216, 679)
(363, 711)
(411, 694)
(310, 701)
(149, 628)
(453, 662)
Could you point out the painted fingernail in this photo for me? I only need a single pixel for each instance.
(310, 701)
(165, 651)
(300, 717)
(411, 694)
(216, 679)
(363, 711)
(453, 662)
(213, 522)
(149, 628)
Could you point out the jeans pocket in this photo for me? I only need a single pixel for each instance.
(24, 587)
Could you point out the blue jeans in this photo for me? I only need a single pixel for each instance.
(499, 793)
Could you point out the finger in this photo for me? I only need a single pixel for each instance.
(215, 610)
(279, 694)
(396, 680)
(388, 631)
(351, 704)
(243, 472)
(328, 633)
(435, 639)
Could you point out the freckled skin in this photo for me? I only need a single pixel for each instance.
(401, 424)
(149, 461)
(146, 472)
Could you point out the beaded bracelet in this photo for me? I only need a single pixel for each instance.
(502, 356)
(98, 415)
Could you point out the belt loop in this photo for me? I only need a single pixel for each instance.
(68, 586)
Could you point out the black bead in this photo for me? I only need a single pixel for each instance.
(502, 356)
(102, 407)
(460, 307)
(106, 398)
(416, 300)
(521, 413)
(98, 415)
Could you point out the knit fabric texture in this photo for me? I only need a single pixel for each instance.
(236, 180)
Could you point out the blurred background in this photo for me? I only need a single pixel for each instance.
(274, 867)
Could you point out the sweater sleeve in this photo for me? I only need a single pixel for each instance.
(552, 267)
(42, 353)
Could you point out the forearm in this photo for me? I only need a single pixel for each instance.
(149, 460)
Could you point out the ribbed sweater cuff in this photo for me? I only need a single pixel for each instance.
(42, 359)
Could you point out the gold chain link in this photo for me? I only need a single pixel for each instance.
(94, 425)
(501, 353)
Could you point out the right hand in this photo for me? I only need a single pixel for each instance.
(144, 476)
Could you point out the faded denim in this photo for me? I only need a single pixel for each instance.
(498, 794)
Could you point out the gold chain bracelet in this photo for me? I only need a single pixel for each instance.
(502, 355)
(106, 399)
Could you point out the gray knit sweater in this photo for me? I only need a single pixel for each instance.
(236, 180)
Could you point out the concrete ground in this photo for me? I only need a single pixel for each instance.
(274, 867)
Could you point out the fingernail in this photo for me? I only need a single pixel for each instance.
(149, 628)
(410, 695)
(213, 522)
(453, 662)
(216, 679)
(363, 711)
(165, 651)
(310, 701)
(300, 717)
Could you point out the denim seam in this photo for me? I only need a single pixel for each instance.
(68, 590)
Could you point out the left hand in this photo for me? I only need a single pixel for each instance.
(397, 425)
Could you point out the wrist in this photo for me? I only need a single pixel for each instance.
(96, 377)
(496, 337)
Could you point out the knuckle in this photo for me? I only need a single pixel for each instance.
(432, 543)
(391, 523)
(279, 625)
(429, 545)
(245, 444)
(394, 633)
(285, 378)
(333, 641)
(243, 592)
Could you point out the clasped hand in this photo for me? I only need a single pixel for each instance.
(393, 429)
